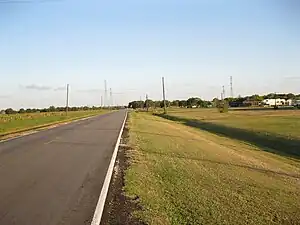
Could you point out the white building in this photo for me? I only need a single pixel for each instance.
(290, 102)
(293, 102)
(274, 102)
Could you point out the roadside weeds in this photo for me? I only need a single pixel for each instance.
(119, 208)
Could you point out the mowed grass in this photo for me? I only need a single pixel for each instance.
(183, 175)
(277, 122)
(19, 122)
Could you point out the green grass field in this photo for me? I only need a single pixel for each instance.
(279, 122)
(185, 175)
(19, 122)
(275, 131)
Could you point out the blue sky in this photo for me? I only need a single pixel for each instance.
(197, 45)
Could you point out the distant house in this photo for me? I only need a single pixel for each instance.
(290, 102)
(274, 102)
(251, 103)
(236, 103)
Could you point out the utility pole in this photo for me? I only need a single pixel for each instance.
(164, 94)
(231, 87)
(223, 87)
(105, 93)
(111, 98)
(147, 104)
(67, 101)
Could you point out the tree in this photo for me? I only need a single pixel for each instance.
(44, 110)
(52, 109)
(22, 110)
(10, 111)
(136, 104)
(256, 98)
(175, 103)
(168, 103)
(269, 96)
(28, 111)
(215, 102)
(157, 104)
(208, 103)
(200, 103)
(182, 103)
(290, 96)
(149, 103)
(192, 102)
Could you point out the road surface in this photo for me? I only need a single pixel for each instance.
(55, 176)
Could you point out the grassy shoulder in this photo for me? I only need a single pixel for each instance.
(278, 122)
(20, 122)
(186, 176)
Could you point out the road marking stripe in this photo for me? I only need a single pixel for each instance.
(101, 202)
(49, 142)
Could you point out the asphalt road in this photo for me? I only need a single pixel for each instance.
(55, 176)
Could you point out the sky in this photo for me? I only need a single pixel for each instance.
(195, 44)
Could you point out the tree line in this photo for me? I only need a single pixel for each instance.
(54, 109)
(189, 103)
(239, 101)
(200, 103)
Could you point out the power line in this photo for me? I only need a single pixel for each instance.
(67, 101)
(147, 104)
(164, 94)
(223, 87)
(111, 98)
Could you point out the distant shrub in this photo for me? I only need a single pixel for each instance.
(223, 106)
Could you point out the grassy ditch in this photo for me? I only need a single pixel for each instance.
(183, 175)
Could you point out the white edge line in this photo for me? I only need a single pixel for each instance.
(102, 198)
(33, 131)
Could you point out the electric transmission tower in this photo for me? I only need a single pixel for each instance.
(105, 93)
(111, 98)
(231, 87)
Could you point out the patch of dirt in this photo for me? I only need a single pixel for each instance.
(119, 208)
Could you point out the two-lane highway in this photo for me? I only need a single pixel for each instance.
(55, 176)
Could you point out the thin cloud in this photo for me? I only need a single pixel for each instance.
(37, 87)
(4, 96)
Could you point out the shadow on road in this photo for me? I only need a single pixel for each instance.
(268, 142)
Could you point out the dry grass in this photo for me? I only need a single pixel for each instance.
(186, 176)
